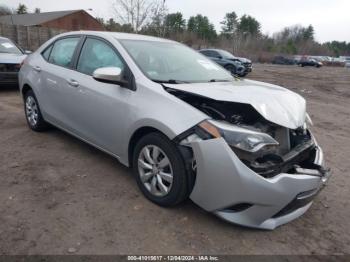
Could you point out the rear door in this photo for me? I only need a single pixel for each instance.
(56, 74)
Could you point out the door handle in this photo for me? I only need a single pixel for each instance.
(37, 68)
(73, 83)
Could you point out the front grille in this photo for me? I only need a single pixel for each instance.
(248, 65)
(9, 68)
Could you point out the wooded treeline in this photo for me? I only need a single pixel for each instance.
(241, 35)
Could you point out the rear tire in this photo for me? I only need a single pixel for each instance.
(33, 114)
(163, 184)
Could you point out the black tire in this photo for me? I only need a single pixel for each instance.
(231, 69)
(179, 190)
(40, 124)
(243, 74)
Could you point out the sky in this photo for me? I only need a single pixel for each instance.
(330, 18)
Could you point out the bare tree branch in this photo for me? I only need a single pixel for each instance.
(133, 12)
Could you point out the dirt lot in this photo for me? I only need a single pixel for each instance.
(59, 195)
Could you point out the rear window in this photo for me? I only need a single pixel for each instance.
(47, 52)
(63, 51)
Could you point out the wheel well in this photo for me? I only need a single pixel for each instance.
(229, 65)
(136, 137)
(25, 89)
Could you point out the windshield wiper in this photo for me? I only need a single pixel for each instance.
(170, 81)
(219, 80)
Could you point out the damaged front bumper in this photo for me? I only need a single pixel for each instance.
(231, 190)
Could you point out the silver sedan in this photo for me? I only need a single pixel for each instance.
(238, 148)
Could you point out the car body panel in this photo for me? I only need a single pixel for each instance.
(11, 58)
(274, 103)
(223, 181)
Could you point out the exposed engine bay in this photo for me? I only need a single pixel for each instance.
(295, 148)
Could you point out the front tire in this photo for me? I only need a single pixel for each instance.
(243, 74)
(33, 114)
(160, 171)
(231, 69)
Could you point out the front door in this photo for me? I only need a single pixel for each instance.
(99, 109)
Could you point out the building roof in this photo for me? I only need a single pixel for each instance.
(34, 18)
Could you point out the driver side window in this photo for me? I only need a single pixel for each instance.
(215, 54)
(97, 54)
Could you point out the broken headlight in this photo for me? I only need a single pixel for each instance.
(238, 137)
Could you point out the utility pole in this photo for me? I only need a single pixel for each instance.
(11, 19)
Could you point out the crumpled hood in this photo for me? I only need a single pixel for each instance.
(276, 104)
(11, 58)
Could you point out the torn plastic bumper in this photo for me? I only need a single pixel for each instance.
(230, 189)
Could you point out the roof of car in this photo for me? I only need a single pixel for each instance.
(120, 36)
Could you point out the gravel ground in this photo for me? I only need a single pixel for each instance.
(59, 195)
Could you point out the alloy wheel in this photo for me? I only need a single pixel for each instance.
(155, 170)
(32, 111)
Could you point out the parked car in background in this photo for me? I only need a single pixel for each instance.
(236, 65)
(238, 148)
(282, 60)
(309, 62)
(347, 61)
(11, 57)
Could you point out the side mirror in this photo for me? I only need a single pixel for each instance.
(27, 52)
(220, 57)
(111, 75)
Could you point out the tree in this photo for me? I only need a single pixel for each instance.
(201, 26)
(339, 48)
(296, 33)
(229, 25)
(298, 39)
(137, 13)
(112, 26)
(175, 23)
(37, 10)
(5, 10)
(22, 9)
(308, 33)
(249, 25)
(157, 25)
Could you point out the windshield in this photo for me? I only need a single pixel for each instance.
(173, 62)
(6, 46)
